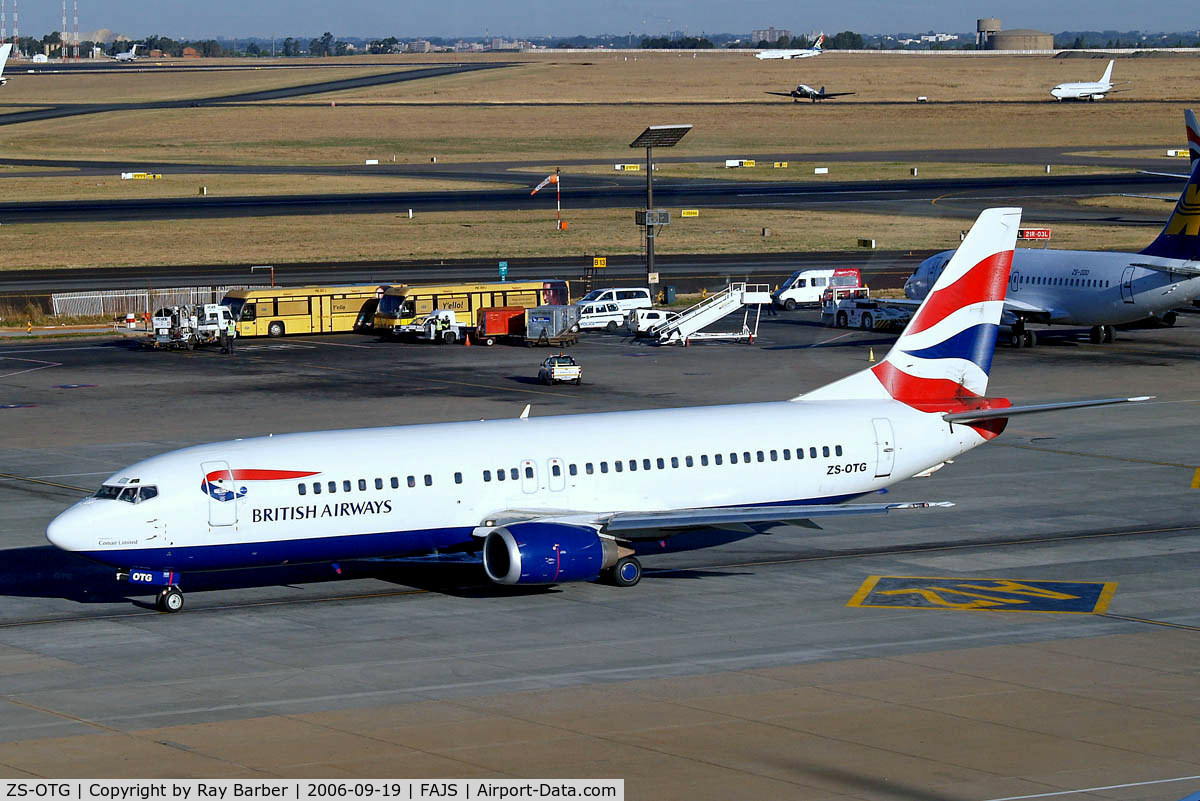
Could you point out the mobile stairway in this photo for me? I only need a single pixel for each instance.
(684, 327)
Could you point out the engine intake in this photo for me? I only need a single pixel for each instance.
(546, 553)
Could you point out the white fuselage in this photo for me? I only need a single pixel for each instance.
(787, 54)
(426, 488)
(1079, 287)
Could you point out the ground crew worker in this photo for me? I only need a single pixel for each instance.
(228, 334)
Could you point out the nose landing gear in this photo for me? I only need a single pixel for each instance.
(169, 600)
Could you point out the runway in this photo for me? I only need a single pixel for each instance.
(738, 671)
(1043, 196)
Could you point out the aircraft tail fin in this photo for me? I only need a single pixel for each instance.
(5, 50)
(1107, 78)
(1193, 135)
(1180, 237)
(820, 41)
(944, 355)
(822, 91)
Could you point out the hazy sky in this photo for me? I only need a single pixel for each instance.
(370, 18)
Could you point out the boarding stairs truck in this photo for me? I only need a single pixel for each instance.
(684, 327)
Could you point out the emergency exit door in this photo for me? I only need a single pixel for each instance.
(885, 447)
(1127, 285)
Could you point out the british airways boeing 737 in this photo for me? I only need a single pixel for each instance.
(574, 497)
(1099, 289)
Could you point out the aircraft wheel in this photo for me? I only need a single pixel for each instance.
(626, 572)
(1017, 340)
(169, 600)
(789, 304)
(1168, 319)
(1095, 335)
(1030, 339)
(1108, 334)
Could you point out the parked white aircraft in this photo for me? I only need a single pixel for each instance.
(1099, 289)
(1086, 90)
(815, 50)
(128, 55)
(806, 92)
(574, 497)
(5, 50)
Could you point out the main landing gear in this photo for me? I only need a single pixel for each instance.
(625, 573)
(169, 600)
(1022, 338)
(1101, 334)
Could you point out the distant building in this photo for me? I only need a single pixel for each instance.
(1020, 39)
(984, 30)
(418, 46)
(190, 52)
(770, 35)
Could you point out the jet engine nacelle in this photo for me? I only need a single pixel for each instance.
(546, 553)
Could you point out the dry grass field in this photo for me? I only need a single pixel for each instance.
(333, 237)
(558, 107)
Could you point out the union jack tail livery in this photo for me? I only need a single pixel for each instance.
(1193, 135)
(942, 359)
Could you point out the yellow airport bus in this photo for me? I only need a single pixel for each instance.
(299, 310)
(401, 306)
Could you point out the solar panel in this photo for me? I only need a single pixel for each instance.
(660, 136)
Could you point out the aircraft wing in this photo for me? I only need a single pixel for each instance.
(781, 94)
(1187, 268)
(1162, 175)
(835, 94)
(696, 518)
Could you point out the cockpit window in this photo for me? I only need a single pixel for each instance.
(129, 494)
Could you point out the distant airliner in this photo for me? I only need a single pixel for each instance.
(576, 497)
(129, 55)
(815, 50)
(1099, 289)
(805, 92)
(1087, 90)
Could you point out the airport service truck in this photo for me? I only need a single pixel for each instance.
(188, 327)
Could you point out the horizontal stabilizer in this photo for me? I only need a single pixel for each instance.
(1187, 268)
(632, 521)
(1013, 411)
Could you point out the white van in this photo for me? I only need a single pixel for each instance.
(804, 287)
(626, 298)
(600, 315)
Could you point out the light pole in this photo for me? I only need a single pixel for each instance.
(652, 137)
(270, 267)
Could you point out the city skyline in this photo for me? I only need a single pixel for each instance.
(474, 18)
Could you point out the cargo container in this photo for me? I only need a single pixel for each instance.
(500, 322)
(552, 325)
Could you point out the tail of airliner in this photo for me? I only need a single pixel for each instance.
(1193, 135)
(1107, 77)
(1180, 237)
(944, 355)
(820, 41)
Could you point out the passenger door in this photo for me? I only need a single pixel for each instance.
(218, 484)
(885, 447)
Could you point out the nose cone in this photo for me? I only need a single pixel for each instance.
(69, 531)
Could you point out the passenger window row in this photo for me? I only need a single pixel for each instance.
(589, 468)
(332, 487)
(1043, 280)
